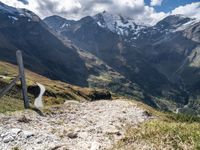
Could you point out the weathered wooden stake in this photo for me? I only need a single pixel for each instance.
(9, 87)
(22, 79)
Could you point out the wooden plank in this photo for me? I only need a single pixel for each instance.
(22, 79)
(9, 87)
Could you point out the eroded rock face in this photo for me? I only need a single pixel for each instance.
(101, 94)
(74, 126)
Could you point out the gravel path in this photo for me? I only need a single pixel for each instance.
(74, 126)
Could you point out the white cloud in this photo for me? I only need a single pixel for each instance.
(190, 10)
(76, 9)
(150, 16)
(45, 8)
(156, 2)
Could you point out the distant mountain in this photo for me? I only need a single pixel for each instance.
(155, 57)
(48, 54)
(118, 24)
(106, 45)
(157, 64)
(43, 52)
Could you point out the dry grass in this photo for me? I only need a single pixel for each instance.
(8, 103)
(166, 131)
(56, 92)
(158, 135)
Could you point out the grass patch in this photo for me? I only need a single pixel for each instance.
(168, 116)
(56, 92)
(157, 134)
(183, 118)
(167, 131)
(10, 104)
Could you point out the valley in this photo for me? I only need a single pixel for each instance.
(156, 58)
(103, 81)
(151, 63)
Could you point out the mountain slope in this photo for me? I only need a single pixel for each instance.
(42, 51)
(48, 54)
(172, 47)
(56, 92)
(109, 51)
(129, 54)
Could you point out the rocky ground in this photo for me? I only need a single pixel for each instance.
(73, 126)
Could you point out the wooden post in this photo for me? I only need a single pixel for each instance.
(22, 79)
(9, 87)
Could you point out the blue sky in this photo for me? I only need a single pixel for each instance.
(169, 5)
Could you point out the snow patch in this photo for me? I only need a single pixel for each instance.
(64, 25)
(14, 18)
(99, 23)
(118, 24)
(186, 25)
(15, 13)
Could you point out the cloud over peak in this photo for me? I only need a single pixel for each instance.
(190, 10)
(25, 2)
(76, 9)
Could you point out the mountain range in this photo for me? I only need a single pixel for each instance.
(157, 64)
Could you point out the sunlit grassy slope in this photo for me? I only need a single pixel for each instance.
(167, 131)
(56, 92)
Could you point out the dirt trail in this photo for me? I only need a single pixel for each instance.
(74, 126)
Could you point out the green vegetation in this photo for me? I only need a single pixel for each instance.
(15, 148)
(56, 92)
(8, 103)
(183, 118)
(165, 131)
(158, 134)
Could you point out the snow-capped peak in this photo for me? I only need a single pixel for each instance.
(107, 20)
(117, 23)
(7, 9)
(16, 13)
(187, 25)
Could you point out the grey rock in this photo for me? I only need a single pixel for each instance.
(5, 134)
(28, 134)
(16, 131)
(72, 135)
(8, 139)
(47, 132)
(39, 141)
